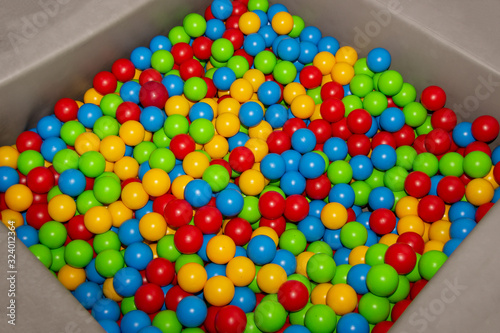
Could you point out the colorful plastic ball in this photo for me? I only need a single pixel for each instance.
(320, 318)
(188, 239)
(401, 257)
(321, 268)
(311, 165)
(153, 93)
(251, 114)
(303, 140)
(382, 280)
(148, 298)
(261, 249)
(296, 208)
(270, 316)
(477, 164)
(460, 228)
(126, 281)
(430, 263)
(72, 182)
(201, 130)
(61, 208)
(106, 309)
(230, 318)
(485, 128)
(353, 322)
(229, 202)
(49, 127)
(218, 290)
(433, 98)
(198, 193)
(461, 209)
(378, 60)
(431, 208)
(462, 134)
(293, 295)
(88, 293)
(191, 311)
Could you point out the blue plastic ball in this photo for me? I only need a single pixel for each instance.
(341, 256)
(332, 238)
(152, 118)
(191, 311)
(240, 252)
(9, 177)
(373, 238)
(276, 115)
(88, 114)
(378, 60)
(353, 323)
(495, 155)
(160, 43)
(392, 120)
(129, 233)
(451, 245)
(462, 134)
(141, 58)
(254, 44)
(285, 259)
(174, 85)
(276, 42)
(312, 165)
(303, 140)
(148, 208)
(356, 278)
(251, 113)
(51, 146)
(27, 234)
(383, 157)
(268, 33)
(126, 281)
(215, 29)
(335, 149)
(293, 182)
(292, 159)
(221, 9)
(434, 183)
(202, 252)
(229, 202)
(381, 197)
(262, 16)
(138, 255)
(289, 49)
(261, 249)
(310, 34)
(274, 9)
(72, 182)
(296, 329)
(110, 326)
(49, 127)
(151, 329)
(129, 92)
(134, 321)
(460, 228)
(308, 51)
(362, 167)
(198, 193)
(237, 140)
(328, 44)
(177, 171)
(215, 270)
(201, 110)
(374, 128)
(343, 194)
(315, 208)
(92, 275)
(106, 308)
(269, 93)
(244, 298)
(88, 293)
(223, 78)
(312, 228)
(461, 209)
(273, 166)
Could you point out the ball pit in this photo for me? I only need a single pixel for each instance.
(128, 145)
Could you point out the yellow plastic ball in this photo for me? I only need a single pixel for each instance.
(249, 23)
(156, 182)
(227, 124)
(318, 294)
(98, 220)
(92, 96)
(8, 156)
(228, 105)
(110, 166)
(87, 141)
(270, 278)
(342, 299)
(218, 147)
(152, 226)
(192, 277)
(317, 112)
(357, 255)
(11, 218)
(179, 184)
(251, 182)
(221, 249)
(261, 130)
(109, 291)
(282, 23)
(427, 228)
(71, 277)
(346, 54)
(267, 231)
(219, 290)
(326, 78)
(112, 148)
(411, 223)
(407, 206)
(293, 90)
(302, 260)
(388, 239)
(255, 77)
(241, 90)
(153, 247)
(342, 73)
(132, 132)
(258, 147)
(195, 163)
(302, 106)
(324, 61)
(479, 191)
(177, 105)
(126, 167)
(334, 215)
(62, 208)
(440, 231)
(134, 196)
(491, 178)
(119, 213)
(241, 271)
(433, 245)
(148, 136)
(18, 197)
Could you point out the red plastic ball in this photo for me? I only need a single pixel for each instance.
(240, 231)
(174, 296)
(478, 146)
(401, 257)
(390, 103)
(208, 219)
(310, 77)
(278, 142)
(445, 119)
(332, 89)
(149, 298)
(66, 109)
(321, 129)
(293, 295)
(105, 83)
(278, 224)
(77, 230)
(40, 180)
(239, 8)
(153, 93)
(296, 208)
(419, 144)
(483, 210)
(485, 128)
(211, 89)
(39, 198)
(340, 129)
(291, 125)
(431, 208)
(437, 141)
(29, 140)
(405, 136)
(232, 22)
(417, 288)
(160, 271)
(149, 74)
(399, 308)
(465, 179)
(496, 172)
(241, 159)
(230, 319)
(450, 189)
(271, 205)
(128, 111)
(181, 52)
(358, 144)
(191, 68)
(382, 327)
(202, 48)
(383, 138)
(159, 203)
(433, 98)
(332, 109)
(188, 239)
(37, 215)
(123, 70)
(209, 323)
(359, 121)
(235, 36)
(351, 215)
(382, 221)
(318, 188)
(414, 240)
(178, 212)
(181, 145)
(417, 184)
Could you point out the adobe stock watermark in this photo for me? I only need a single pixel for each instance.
(381, 20)
(425, 315)
(485, 88)
(32, 24)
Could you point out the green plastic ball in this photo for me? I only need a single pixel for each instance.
(374, 308)
(390, 83)
(361, 85)
(108, 262)
(106, 126)
(30, 159)
(321, 268)
(251, 327)
(202, 130)
(254, 286)
(341, 274)
(127, 305)
(301, 278)
(78, 253)
(375, 103)
(265, 62)
(167, 321)
(361, 192)
(339, 172)
(477, 164)
(109, 104)
(175, 124)
(166, 248)
(250, 211)
(270, 316)
(382, 280)
(57, 259)
(85, 201)
(143, 151)
(361, 67)
(178, 35)
(71, 130)
(293, 241)
(320, 247)
(107, 190)
(402, 291)
(284, 72)
(415, 114)
(451, 164)
(52, 234)
(106, 241)
(315, 94)
(222, 49)
(414, 275)
(405, 155)
(430, 263)
(375, 254)
(353, 234)
(394, 178)
(239, 65)
(258, 4)
(376, 179)
(320, 318)
(195, 89)
(407, 95)
(298, 317)
(426, 163)
(274, 189)
(298, 26)
(217, 177)
(195, 25)
(65, 159)
(162, 158)
(351, 102)
(162, 61)
(92, 164)
(53, 192)
(43, 254)
(425, 128)
(187, 258)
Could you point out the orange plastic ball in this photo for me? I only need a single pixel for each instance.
(221, 249)
(134, 196)
(152, 227)
(156, 182)
(87, 141)
(195, 163)
(219, 290)
(8, 156)
(318, 294)
(18, 197)
(112, 148)
(132, 132)
(342, 299)
(334, 215)
(342, 73)
(270, 278)
(126, 167)
(302, 106)
(217, 148)
(119, 213)
(98, 220)
(251, 182)
(282, 23)
(241, 271)
(71, 277)
(62, 208)
(192, 277)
